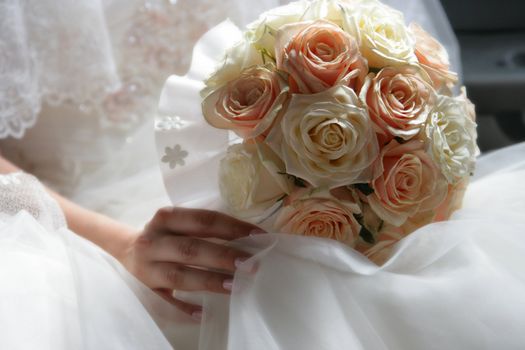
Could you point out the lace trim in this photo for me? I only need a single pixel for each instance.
(24, 116)
(17, 75)
(112, 61)
(51, 53)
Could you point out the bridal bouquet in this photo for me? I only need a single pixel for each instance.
(347, 124)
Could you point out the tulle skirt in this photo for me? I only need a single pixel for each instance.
(458, 284)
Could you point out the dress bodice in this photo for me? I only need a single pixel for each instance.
(84, 122)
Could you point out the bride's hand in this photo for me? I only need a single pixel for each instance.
(171, 253)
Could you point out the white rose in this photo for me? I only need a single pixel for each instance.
(452, 134)
(261, 33)
(236, 59)
(326, 138)
(329, 10)
(383, 37)
(251, 179)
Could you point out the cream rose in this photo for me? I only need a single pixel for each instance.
(406, 182)
(320, 217)
(453, 135)
(318, 55)
(398, 100)
(247, 104)
(469, 106)
(381, 33)
(236, 59)
(261, 33)
(326, 138)
(433, 57)
(251, 180)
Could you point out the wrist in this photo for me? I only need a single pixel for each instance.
(115, 237)
(112, 236)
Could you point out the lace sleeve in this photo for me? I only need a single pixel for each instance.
(20, 191)
(46, 49)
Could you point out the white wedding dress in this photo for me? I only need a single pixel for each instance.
(82, 86)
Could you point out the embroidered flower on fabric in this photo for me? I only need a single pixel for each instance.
(169, 122)
(174, 156)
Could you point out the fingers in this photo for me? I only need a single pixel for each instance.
(202, 223)
(194, 311)
(166, 256)
(174, 276)
(196, 252)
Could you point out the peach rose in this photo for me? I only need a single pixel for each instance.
(248, 104)
(398, 101)
(318, 55)
(454, 200)
(326, 138)
(406, 182)
(320, 217)
(389, 235)
(433, 57)
(381, 251)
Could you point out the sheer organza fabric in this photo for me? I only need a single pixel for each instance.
(450, 285)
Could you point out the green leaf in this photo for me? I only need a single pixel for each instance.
(282, 74)
(296, 180)
(269, 30)
(366, 235)
(359, 218)
(365, 189)
(265, 54)
(281, 198)
(381, 226)
(299, 182)
(399, 140)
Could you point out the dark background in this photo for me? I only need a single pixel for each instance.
(491, 35)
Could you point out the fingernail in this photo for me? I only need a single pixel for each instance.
(250, 268)
(227, 284)
(197, 315)
(257, 231)
(239, 261)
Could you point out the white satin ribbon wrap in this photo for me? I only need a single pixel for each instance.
(452, 285)
(194, 183)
